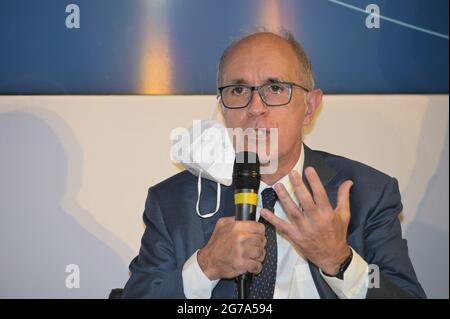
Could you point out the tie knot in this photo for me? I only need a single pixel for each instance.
(269, 198)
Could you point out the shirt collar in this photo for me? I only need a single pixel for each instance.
(285, 179)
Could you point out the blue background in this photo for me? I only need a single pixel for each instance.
(39, 55)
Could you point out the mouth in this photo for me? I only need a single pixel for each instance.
(262, 140)
(262, 133)
(256, 135)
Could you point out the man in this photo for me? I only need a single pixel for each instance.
(327, 222)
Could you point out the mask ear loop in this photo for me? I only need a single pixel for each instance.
(214, 113)
(199, 191)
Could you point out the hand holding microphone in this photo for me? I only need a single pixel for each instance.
(237, 245)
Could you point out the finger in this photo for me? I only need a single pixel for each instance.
(253, 241)
(301, 192)
(319, 192)
(281, 225)
(251, 226)
(226, 220)
(288, 204)
(263, 256)
(343, 199)
(257, 254)
(253, 266)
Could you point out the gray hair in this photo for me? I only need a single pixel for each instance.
(305, 63)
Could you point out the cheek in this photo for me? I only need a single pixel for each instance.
(290, 129)
(234, 118)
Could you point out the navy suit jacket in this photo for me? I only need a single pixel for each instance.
(174, 231)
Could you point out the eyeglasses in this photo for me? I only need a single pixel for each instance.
(239, 96)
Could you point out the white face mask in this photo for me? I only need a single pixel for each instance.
(206, 151)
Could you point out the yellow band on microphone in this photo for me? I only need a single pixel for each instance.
(246, 198)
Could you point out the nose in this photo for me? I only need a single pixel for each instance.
(256, 106)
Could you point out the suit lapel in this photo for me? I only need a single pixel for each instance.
(315, 159)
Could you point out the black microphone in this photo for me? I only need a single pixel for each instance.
(246, 180)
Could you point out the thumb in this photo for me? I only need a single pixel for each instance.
(226, 220)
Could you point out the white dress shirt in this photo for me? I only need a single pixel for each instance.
(294, 279)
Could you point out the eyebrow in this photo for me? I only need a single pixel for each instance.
(268, 80)
(237, 81)
(274, 80)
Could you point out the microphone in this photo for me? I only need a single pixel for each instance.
(246, 180)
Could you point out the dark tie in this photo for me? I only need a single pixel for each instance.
(263, 284)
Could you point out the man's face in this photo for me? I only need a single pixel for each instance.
(258, 60)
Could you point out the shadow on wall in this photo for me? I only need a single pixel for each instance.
(38, 237)
(428, 234)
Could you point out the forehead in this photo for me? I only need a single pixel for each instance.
(259, 58)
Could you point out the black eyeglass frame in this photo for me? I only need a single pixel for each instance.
(257, 88)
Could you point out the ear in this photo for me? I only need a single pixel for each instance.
(313, 102)
(220, 105)
(222, 115)
(220, 112)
